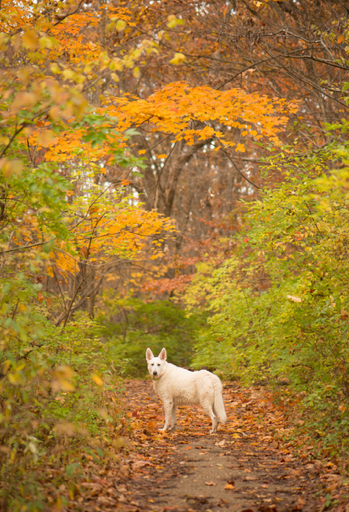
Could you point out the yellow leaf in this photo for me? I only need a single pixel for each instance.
(68, 74)
(3, 38)
(120, 25)
(55, 68)
(64, 372)
(14, 378)
(11, 167)
(97, 380)
(178, 58)
(136, 72)
(162, 156)
(66, 385)
(141, 152)
(116, 65)
(47, 42)
(30, 40)
(61, 382)
(173, 21)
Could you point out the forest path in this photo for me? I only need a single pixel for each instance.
(244, 467)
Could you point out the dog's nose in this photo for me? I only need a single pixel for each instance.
(155, 373)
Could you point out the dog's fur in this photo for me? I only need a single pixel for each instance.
(177, 386)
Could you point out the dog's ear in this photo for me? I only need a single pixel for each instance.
(163, 355)
(149, 354)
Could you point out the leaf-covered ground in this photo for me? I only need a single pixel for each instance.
(244, 467)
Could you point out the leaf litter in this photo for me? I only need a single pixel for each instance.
(244, 467)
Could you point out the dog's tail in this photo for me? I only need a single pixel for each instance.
(218, 401)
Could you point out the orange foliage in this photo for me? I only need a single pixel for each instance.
(189, 113)
(111, 231)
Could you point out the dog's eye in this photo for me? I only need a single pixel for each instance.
(152, 364)
(159, 364)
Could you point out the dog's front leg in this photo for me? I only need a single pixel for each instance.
(173, 417)
(168, 404)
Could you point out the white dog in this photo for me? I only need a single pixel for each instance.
(177, 386)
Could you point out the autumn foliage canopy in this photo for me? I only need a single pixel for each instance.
(170, 170)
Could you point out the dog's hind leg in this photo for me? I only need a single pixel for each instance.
(214, 425)
(216, 422)
(206, 394)
(208, 410)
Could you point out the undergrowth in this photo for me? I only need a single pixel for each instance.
(132, 325)
(279, 306)
(60, 409)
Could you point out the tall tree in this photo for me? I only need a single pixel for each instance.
(282, 49)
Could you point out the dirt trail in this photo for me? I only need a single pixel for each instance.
(242, 468)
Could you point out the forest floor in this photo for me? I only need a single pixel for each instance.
(244, 467)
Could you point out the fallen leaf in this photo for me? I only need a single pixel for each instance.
(142, 463)
(300, 503)
(210, 483)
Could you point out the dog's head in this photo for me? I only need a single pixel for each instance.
(156, 365)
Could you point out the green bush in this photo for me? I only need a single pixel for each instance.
(280, 306)
(131, 325)
(59, 395)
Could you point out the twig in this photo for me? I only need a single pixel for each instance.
(236, 167)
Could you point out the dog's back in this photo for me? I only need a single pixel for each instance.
(179, 385)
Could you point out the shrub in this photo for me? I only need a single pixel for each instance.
(131, 325)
